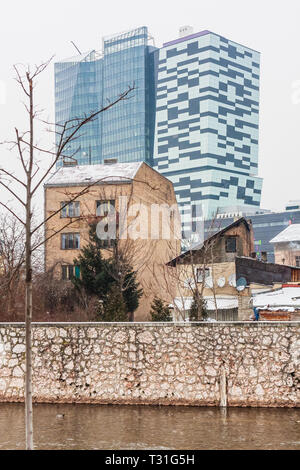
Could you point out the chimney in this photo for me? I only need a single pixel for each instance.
(264, 256)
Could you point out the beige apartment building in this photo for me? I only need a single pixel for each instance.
(137, 206)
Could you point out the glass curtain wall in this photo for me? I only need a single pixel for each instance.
(77, 94)
(86, 83)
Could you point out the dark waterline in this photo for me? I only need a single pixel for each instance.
(145, 427)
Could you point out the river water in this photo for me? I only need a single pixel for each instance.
(145, 427)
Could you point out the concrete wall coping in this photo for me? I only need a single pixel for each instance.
(150, 324)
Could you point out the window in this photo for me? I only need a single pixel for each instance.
(72, 209)
(200, 272)
(69, 271)
(230, 244)
(103, 207)
(70, 241)
(297, 261)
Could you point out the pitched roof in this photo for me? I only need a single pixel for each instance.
(219, 233)
(86, 174)
(290, 234)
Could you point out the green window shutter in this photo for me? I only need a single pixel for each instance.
(77, 271)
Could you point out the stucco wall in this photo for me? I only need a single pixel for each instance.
(146, 255)
(155, 364)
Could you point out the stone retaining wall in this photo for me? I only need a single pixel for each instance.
(167, 364)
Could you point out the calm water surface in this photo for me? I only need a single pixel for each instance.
(142, 427)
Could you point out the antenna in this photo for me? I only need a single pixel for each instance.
(76, 47)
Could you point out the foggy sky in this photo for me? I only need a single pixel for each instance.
(33, 31)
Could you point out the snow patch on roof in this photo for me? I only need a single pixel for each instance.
(87, 174)
(290, 234)
(223, 303)
(287, 297)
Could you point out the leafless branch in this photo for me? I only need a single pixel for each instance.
(12, 212)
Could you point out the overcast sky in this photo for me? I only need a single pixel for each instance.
(31, 31)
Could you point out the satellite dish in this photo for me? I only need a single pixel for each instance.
(241, 284)
(221, 281)
(209, 282)
(232, 280)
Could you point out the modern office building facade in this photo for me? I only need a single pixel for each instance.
(207, 119)
(77, 94)
(193, 114)
(88, 82)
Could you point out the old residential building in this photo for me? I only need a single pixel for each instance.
(136, 192)
(225, 271)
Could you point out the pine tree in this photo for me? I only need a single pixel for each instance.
(99, 277)
(160, 311)
(132, 293)
(198, 310)
(93, 268)
(113, 308)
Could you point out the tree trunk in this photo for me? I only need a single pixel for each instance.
(28, 337)
(28, 297)
(28, 384)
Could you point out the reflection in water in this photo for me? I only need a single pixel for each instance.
(143, 427)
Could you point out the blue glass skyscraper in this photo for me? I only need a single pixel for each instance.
(90, 81)
(127, 128)
(78, 93)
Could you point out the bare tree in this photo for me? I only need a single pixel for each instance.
(187, 276)
(29, 154)
(12, 256)
(12, 253)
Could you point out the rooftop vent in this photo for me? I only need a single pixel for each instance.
(292, 206)
(185, 31)
(70, 162)
(110, 161)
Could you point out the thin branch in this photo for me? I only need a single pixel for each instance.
(13, 213)
(81, 193)
(6, 186)
(63, 143)
(20, 80)
(20, 150)
(13, 177)
(53, 234)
